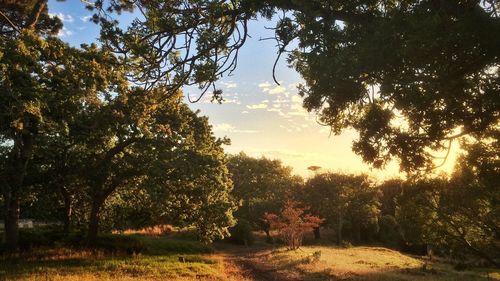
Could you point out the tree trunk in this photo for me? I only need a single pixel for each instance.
(358, 233)
(339, 227)
(15, 174)
(269, 239)
(94, 222)
(11, 223)
(68, 209)
(317, 233)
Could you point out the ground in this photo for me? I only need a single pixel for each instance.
(178, 259)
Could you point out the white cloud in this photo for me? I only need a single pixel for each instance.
(86, 18)
(280, 113)
(265, 85)
(235, 101)
(277, 90)
(257, 106)
(64, 32)
(293, 86)
(62, 17)
(228, 128)
(229, 85)
(296, 99)
(223, 127)
(244, 112)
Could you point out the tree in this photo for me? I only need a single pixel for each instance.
(23, 15)
(149, 142)
(457, 215)
(416, 213)
(56, 98)
(292, 223)
(261, 185)
(36, 74)
(408, 76)
(468, 212)
(390, 189)
(349, 203)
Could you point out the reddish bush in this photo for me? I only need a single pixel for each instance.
(292, 223)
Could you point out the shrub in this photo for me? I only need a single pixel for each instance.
(120, 244)
(29, 239)
(242, 233)
(389, 233)
(292, 224)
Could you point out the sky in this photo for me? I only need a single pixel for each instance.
(260, 117)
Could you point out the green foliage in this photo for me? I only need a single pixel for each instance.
(417, 211)
(393, 72)
(162, 245)
(349, 203)
(242, 233)
(468, 213)
(56, 141)
(29, 239)
(406, 75)
(261, 185)
(120, 244)
(389, 233)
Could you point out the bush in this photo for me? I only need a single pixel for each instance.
(292, 223)
(241, 233)
(346, 244)
(75, 239)
(389, 233)
(29, 239)
(162, 245)
(120, 244)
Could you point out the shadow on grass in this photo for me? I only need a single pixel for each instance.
(161, 257)
(277, 263)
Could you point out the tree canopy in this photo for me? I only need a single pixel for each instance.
(408, 76)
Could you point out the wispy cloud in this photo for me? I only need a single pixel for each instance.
(64, 32)
(257, 106)
(229, 85)
(86, 18)
(62, 17)
(228, 128)
(277, 90)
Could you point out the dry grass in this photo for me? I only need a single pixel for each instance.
(232, 263)
(153, 230)
(166, 259)
(360, 263)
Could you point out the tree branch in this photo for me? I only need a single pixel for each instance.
(35, 13)
(14, 26)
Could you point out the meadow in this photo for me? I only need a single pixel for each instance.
(168, 257)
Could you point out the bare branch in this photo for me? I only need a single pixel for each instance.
(35, 13)
(14, 26)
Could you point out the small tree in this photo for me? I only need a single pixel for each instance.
(292, 223)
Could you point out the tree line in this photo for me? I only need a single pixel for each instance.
(455, 215)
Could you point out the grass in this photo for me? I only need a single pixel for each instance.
(177, 258)
(361, 263)
(164, 259)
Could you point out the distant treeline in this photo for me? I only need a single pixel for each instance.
(455, 216)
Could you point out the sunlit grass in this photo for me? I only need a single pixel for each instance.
(362, 263)
(164, 259)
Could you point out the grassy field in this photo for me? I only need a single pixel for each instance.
(163, 259)
(171, 258)
(359, 263)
